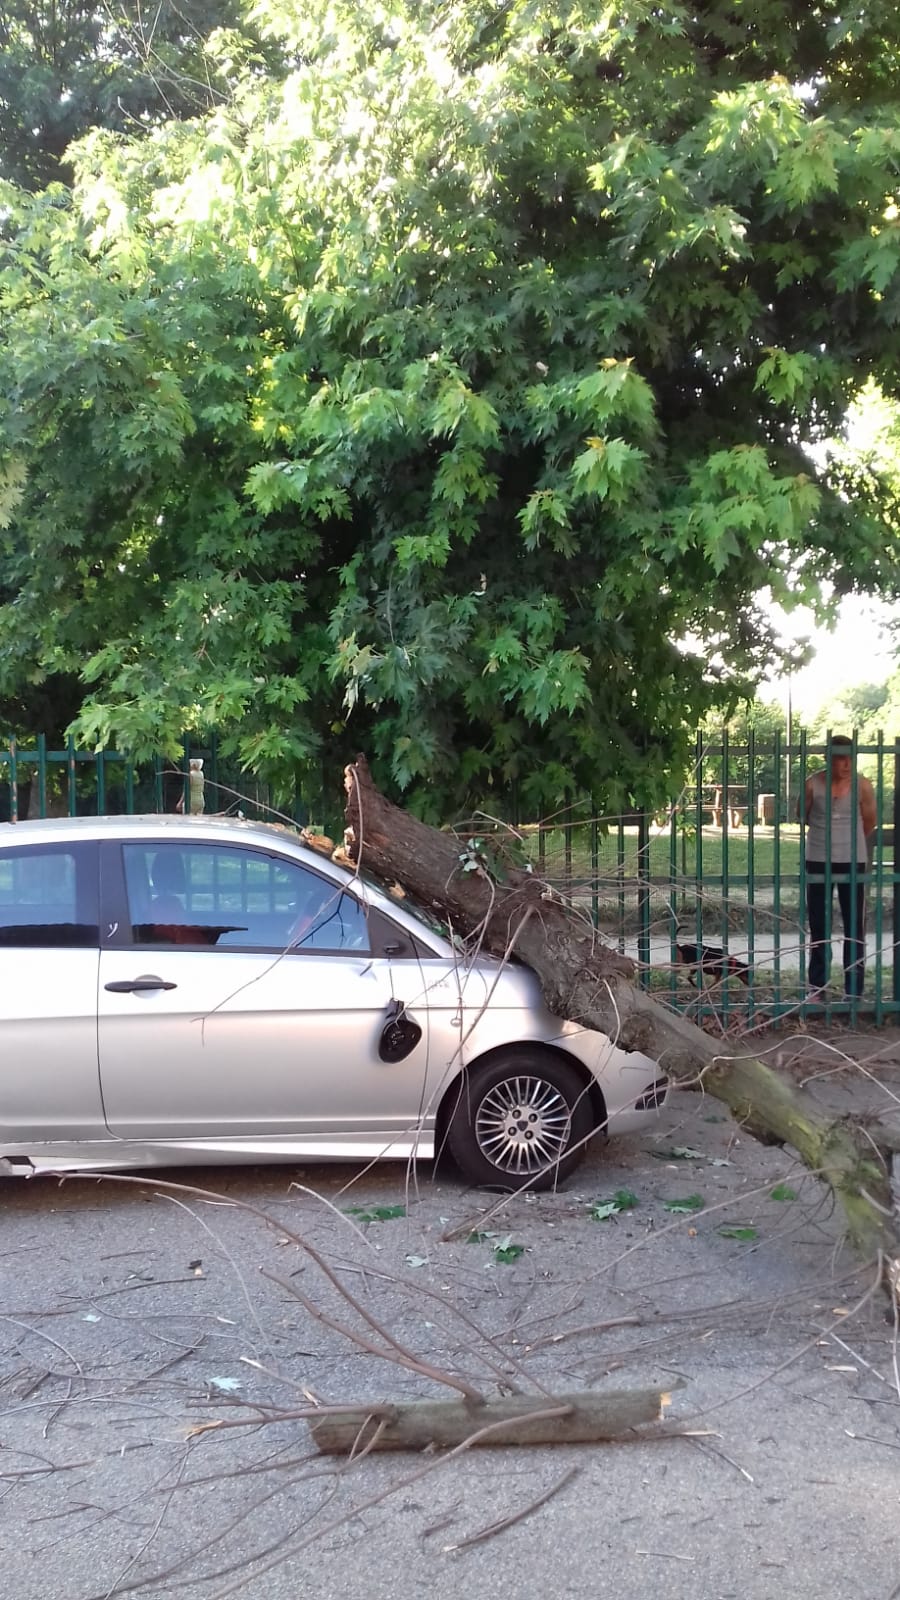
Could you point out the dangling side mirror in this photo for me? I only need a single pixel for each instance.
(400, 1034)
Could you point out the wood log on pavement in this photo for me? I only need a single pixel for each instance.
(584, 980)
(580, 1418)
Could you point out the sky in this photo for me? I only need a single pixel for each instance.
(860, 650)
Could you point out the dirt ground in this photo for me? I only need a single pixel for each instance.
(155, 1348)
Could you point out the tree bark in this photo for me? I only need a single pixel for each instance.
(580, 1418)
(585, 981)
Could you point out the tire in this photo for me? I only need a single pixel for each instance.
(521, 1120)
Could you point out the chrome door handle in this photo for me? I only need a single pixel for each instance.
(138, 985)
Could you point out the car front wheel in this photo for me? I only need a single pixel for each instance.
(523, 1119)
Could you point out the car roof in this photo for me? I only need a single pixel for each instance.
(145, 823)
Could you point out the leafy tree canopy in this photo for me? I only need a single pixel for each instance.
(70, 65)
(425, 400)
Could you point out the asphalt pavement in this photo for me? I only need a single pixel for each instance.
(154, 1345)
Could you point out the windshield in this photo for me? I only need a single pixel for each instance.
(429, 916)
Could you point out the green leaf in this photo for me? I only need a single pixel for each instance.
(784, 375)
(737, 1233)
(508, 1253)
(376, 1213)
(622, 1200)
(692, 1202)
(783, 1191)
(679, 1152)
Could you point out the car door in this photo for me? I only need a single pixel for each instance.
(49, 956)
(243, 997)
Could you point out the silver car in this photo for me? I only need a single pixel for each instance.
(191, 989)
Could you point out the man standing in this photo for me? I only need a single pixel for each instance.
(838, 827)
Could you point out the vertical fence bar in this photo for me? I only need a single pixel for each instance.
(214, 780)
(42, 774)
(895, 885)
(829, 877)
(684, 825)
(620, 882)
(13, 781)
(71, 773)
(673, 894)
(776, 874)
(878, 880)
(751, 873)
(644, 898)
(725, 902)
(698, 847)
(801, 908)
(129, 788)
(853, 932)
(100, 758)
(595, 864)
(158, 782)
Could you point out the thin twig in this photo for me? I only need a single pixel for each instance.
(395, 1353)
(153, 1531)
(514, 1516)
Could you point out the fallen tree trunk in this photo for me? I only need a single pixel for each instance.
(580, 1418)
(585, 981)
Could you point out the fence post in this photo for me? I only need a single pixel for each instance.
(197, 798)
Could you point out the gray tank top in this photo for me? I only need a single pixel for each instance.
(842, 831)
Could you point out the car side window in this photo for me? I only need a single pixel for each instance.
(236, 899)
(49, 896)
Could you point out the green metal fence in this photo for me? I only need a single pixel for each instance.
(39, 781)
(722, 868)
